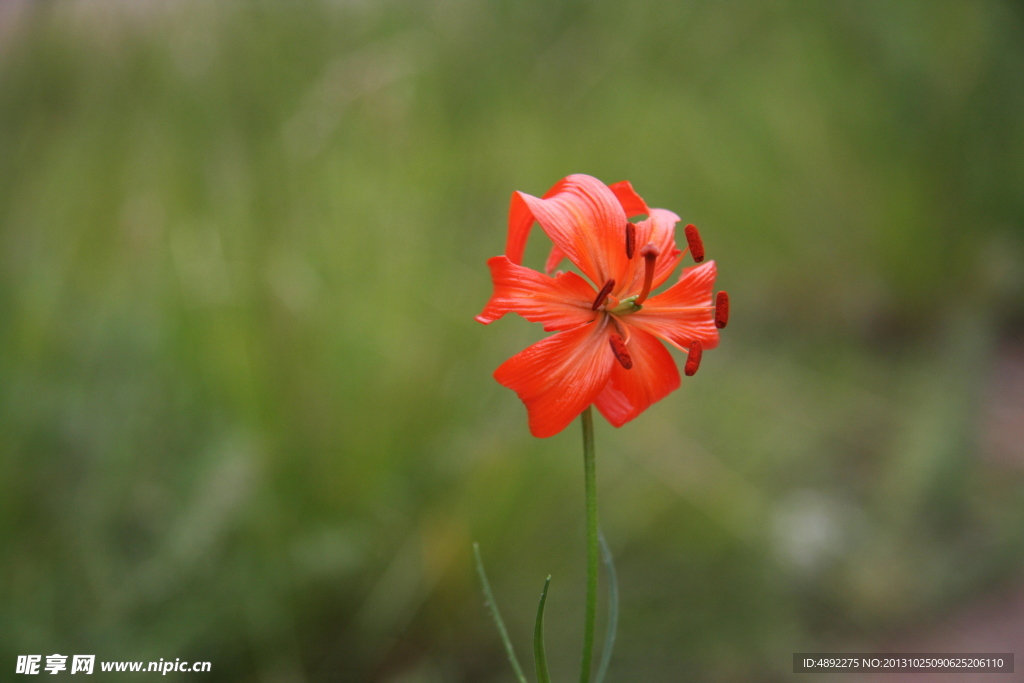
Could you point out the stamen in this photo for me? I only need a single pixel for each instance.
(693, 358)
(620, 351)
(623, 330)
(650, 254)
(696, 244)
(722, 310)
(603, 294)
(630, 239)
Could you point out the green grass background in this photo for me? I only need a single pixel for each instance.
(246, 415)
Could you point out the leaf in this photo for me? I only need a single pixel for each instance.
(492, 606)
(613, 608)
(540, 658)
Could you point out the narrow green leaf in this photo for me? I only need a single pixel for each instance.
(539, 657)
(492, 606)
(613, 609)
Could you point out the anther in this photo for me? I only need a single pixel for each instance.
(650, 253)
(620, 351)
(603, 294)
(693, 358)
(694, 241)
(722, 310)
(630, 239)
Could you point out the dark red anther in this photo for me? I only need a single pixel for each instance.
(620, 351)
(630, 239)
(722, 310)
(693, 359)
(603, 294)
(694, 241)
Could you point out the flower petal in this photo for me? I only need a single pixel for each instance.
(560, 303)
(520, 220)
(554, 258)
(559, 376)
(586, 222)
(632, 205)
(658, 229)
(683, 312)
(630, 392)
(663, 234)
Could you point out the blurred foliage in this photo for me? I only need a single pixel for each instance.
(246, 415)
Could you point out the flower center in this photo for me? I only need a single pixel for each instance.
(632, 304)
(626, 306)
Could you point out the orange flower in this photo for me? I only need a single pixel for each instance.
(607, 351)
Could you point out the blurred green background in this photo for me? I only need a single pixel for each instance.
(246, 415)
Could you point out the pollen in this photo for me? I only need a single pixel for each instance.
(722, 310)
(695, 243)
(603, 294)
(630, 239)
(620, 351)
(693, 358)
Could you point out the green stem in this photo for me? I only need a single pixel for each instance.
(593, 548)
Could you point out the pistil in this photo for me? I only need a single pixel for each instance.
(650, 254)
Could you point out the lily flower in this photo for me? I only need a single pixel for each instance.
(608, 351)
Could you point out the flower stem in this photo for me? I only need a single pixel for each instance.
(593, 558)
